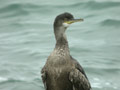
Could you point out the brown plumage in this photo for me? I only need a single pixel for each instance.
(61, 71)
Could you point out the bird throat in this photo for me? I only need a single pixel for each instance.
(61, 40)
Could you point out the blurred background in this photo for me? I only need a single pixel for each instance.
(26, 40)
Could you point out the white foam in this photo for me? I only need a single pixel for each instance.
(3, 79)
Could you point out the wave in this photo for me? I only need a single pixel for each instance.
(13, 79)
(100, 5)
(18, 9)
(33, 6)
(91, 5)
(24, 7)
(16, 6)
(12, 10)
(102, 69)
(4, 80)
(111, 22)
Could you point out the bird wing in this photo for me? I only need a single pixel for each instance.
(78, 66)
(78, 78)
(44, 77)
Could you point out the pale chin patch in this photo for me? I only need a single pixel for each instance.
(66, 25)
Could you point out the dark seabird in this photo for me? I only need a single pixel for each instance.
(62, 71)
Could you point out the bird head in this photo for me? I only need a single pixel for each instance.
(64, 20)
(61, 23)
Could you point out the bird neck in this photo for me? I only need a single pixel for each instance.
(61, 39)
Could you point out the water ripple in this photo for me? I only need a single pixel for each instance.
(110, 22)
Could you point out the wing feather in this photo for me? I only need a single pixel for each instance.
(78, 77)
(79, 81)
(44, 77)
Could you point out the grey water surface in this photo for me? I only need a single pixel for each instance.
(26, 40)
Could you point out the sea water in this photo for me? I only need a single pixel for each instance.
(27, 39)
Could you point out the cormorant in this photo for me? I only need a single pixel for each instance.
(62, 71)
